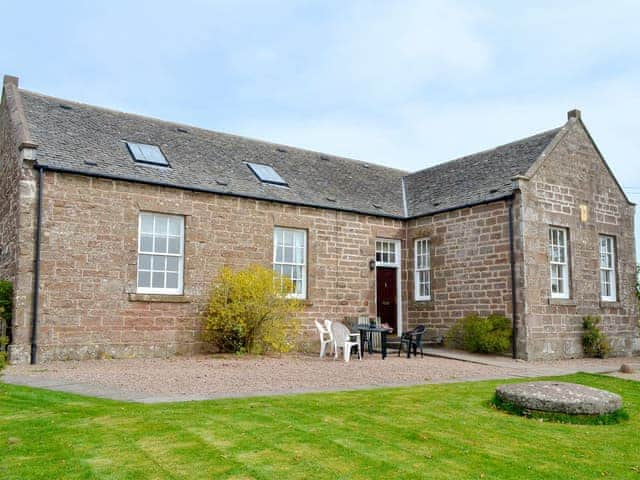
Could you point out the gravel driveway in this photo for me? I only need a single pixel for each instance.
(215, 376)
(199, 377)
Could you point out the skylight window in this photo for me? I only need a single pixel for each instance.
(143, 153)
(266, 174)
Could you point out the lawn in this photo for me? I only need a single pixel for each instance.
(432, 431)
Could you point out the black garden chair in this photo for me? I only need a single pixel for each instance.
(413, 340)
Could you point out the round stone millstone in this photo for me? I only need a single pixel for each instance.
(626, 368)
(559, 397)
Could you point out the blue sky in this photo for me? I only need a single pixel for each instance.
(405, 83)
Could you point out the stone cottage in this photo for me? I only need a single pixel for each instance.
(113, 225)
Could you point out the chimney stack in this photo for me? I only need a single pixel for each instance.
(10, 80)
(575, 113)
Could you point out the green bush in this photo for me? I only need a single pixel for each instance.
(3, 351)
(6, 307)
(249, 311)
(6, 303)
(478, 334)
(594, 342)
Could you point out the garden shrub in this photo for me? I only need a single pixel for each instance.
(4, 340)
(6, 307)
(478, 334)
(594, 342)
(249, 312)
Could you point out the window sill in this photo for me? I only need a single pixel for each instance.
(568, 302)
(423, 300)
(303, 301)
(610, 304)
(158, 298)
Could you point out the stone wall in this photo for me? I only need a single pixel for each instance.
(470, 266)
(572, 188)
(89, 251)
(9, 185)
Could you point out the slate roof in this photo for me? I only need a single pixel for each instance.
(91, 140)
(475, 178)
(202, 159)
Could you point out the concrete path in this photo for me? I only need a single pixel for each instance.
(109, 393)
(540, 368)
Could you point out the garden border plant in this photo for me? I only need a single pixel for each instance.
(478, 334)
(612, 418)
(594, 342)
(251, 311)
(6, 309)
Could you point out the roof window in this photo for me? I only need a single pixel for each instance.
(266, 174)
(143, 153)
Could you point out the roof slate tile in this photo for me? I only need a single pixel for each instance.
(200, 159)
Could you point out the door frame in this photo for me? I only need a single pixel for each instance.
(397, 265)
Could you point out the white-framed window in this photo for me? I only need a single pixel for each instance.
(607, 268)
(422, 269)
(559, 262)
(386, 253)
(160, 253)
(290, 258)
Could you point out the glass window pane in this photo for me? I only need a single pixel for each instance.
(157, 280)
(146, 243)
(175, 224)
(161, 225)
(158, 263)
(160, 245)
(298, 239)
(144, 279)
(286, 271)
(172, 264)
(279, 254)
(288, 254)
(288, 238)
(174, 245)
(172, 280)
(144, 262)
(146, 223)
(299, 256)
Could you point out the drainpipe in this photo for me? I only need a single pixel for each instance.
(36, 269)
(512, 258)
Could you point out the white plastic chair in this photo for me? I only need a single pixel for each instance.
(327, 325)
(322, 330)
(344, 339)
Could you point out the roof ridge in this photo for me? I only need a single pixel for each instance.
(191, 126)
(487, 150)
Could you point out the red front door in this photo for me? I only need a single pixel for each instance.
(386, 296)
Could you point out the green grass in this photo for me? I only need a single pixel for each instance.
(433, 431)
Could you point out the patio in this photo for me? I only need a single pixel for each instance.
(206, 377)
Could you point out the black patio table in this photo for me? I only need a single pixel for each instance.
(369, 330)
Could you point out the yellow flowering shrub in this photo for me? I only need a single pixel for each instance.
(249, 311)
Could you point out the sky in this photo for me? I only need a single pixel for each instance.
(406, 84)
